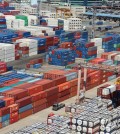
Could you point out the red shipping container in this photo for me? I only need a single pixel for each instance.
(72, 94)
(33, 89)
(66, 45)
(38, 96)
(8, 101)
(13, 108)
(3, 70)
(64, 86)
(46, 84)
(39, 102)
(19, 94)
(28, 65)
(52, 91)
(39, 108)
(103, 80)
(92, 52)
(74, 89)
(41, 48)
(60, 80)
(64, 93)
(24, 101)
(55, 28)
(0, 125)
(52, 98)
(4, 111)
(50, 103)
(10, 82)
(64, 98)
(118, 49)
(26, 114)
(73, 82)
(107, 39)
(13, 115)
(16, 38)
(32, 62)
(90, 44)
(15, 119)
(40, 60)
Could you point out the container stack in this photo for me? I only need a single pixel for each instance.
(8, 10)
(35, 63)
(61, 23)
(30, 46)
(67, 37)
(14, 116)
(4, 114)
(3, 67)
(98, 43)
(111, 42)
(39, 101)
(87, 50)
(41, 42)
(61, 57)
(108, 44)
(43, 22)
(114, 56)
(25, 107)
(25, 94)
(3, 22)
(7, 52)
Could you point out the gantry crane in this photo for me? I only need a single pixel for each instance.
(85, 65)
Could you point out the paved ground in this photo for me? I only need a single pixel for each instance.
(42, 116)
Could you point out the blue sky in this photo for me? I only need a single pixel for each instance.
(33, 1)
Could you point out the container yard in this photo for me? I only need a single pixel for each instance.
(59, 67)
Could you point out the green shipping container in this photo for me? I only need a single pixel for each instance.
(22, 17)
(16, 84)
(3, 89)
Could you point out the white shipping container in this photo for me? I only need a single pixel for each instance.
(117, 57)
(9, 59)
(33, 53)
(112, 88)
(98, 41)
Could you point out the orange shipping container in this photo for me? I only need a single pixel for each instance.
(64, 86)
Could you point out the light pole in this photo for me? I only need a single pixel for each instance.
(79, 83)
(93, 24)
(38, 10)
